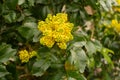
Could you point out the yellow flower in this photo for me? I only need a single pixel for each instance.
(114, 22)
(116, 8)
(56, 29)
(32, 54)
(60, 17)
(48, 41)
(62, 45)
(118, 1)
(116, 25)
(24, 56)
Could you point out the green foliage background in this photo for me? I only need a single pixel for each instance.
(92, 55)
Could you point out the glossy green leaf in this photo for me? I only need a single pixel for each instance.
(31, 2)
(79, 44)
(26, 32)
(0, 8)
(90, 47)
(70, 78)
(91, 62)
(45, 11)
(40, 67)
(78, 58)
(42, 1)
(74, 75)
(10, 17)
(3, 71)
(105, 52)
(20, 2)
(29, 30)
(27, 12)
(6, 52)
(20, 17)
(57, 75)
(11, 3)
(73, 7)
(97, 45)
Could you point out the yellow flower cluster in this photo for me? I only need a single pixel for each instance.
(24, 55)
(116, 25)
(56, 29)
(117, 7)
(118, 1)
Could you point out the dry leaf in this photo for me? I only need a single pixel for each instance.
(63, 8)
(89, 10)
(89, 25)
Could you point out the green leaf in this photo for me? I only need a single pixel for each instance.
(90, 47)
(6, 52)
(78, 58)
(98, 45)
(40, 67)
(29, 30)
(91, 63)
(27, 12)
(57, 75)
(36, 36)
(45, 11)
(42, 1)
(30, 24)
(2, 78)
(0, 8)
(79, 44)
(11, 4)
(20, 2)
(74, 75)
(107, 4)
(31, 2)
(76, 0)
(20, 17)
(105, 52)
(107, 76)
(73, 7)
(3, 71)
(10, 17)
(26, 32)
(11, 67)
(70, 78)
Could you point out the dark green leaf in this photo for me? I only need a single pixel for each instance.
(6, 52)
(3, 71)
(20, 2)
(26, 32)
(73, 7)
(90, 47)
(105, 52)
(29, 30)
(58, 75)
(42, 1)
(79, 44)
(74, 75)
(45, 11)
(78, 58)
(11, 4)
(40, 67)
(31, 2)
(10, 17)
